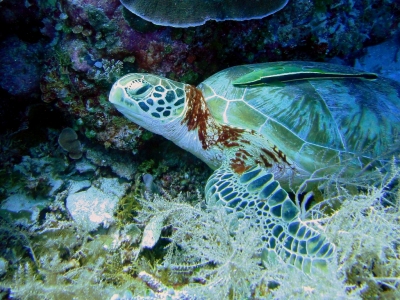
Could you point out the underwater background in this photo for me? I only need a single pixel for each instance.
(81, 186)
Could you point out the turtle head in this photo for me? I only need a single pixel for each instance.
(148, 100)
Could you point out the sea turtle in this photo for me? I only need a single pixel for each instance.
(262, 126)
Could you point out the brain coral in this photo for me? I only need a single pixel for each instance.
(186, 13)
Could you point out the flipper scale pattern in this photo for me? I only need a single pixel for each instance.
(257, 196)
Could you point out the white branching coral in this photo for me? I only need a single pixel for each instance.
(367, 230)
(218, 250)
(108, 70)
(221, 254)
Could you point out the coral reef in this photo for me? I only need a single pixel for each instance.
(59, 60)
(157, 246)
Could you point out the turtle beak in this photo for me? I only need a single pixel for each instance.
(124, 104)
(116, 94)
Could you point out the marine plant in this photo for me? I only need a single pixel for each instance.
(128, 206)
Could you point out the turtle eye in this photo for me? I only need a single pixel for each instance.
(139, 89)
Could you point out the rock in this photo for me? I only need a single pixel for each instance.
(95, 206)
(92, 208)
(122, 164)
(19, 67)
(84, 166)
(3, 266)
(23, 209)
(383, 59)
(112, 186)
(78, 186)
(55, 185)
(41, 175)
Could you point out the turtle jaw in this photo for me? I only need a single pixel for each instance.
(128, 108)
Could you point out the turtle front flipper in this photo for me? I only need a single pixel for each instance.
(256, 195)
